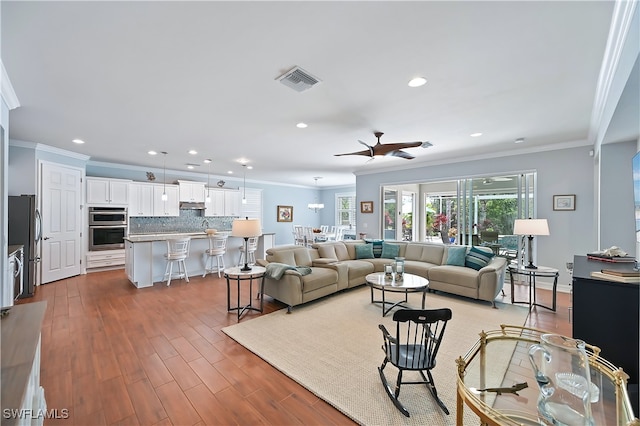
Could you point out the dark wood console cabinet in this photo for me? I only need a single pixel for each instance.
(606, 314)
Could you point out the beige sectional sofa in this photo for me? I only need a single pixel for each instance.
(339, 265)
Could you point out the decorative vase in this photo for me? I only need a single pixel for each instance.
(452, 239)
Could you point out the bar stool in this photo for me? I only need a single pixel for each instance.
(217, 249)
(252, 246)
(177, 252)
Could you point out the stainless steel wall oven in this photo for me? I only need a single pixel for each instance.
(107, 228)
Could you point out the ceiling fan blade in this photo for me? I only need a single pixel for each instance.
(371, 153)
(365, 153)
(400, 154)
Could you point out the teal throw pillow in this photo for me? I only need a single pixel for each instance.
(456, 255)
(364, 251)
(477, 258)
(377, 247)
(390, 251)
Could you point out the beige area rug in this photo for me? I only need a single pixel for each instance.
(332, 347)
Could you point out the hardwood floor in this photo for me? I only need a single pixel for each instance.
(113, 354)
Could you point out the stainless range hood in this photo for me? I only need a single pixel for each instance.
(184, 205)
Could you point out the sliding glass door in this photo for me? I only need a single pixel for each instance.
(478, 210)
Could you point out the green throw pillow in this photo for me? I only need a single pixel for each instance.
(477, 258)
(364, 251)
(390, 251)
(456, 255)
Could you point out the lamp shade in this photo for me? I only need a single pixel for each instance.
(246, 228)
(531, 227)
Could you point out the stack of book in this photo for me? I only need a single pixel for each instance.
(612, 259)
(623, 276)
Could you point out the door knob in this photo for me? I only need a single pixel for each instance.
(45, 238)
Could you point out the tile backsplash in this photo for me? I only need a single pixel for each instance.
(188, 221)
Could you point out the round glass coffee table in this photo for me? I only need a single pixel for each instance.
(410, 284)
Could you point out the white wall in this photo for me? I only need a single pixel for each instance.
(565, 171)
(617, 223)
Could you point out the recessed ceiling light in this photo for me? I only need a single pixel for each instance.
(475, 135)
(78, 141)
(249, 167)
(302, 125)
(230, 172)
(417, 82)
(519, 140)
(207, 161)
(190, 166)
(152, 152)
(193, 152)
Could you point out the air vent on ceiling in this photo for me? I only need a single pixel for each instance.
(298, 79)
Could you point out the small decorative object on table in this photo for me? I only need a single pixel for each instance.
(399, 268)
(388, 272)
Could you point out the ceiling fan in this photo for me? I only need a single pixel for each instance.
(388, 149)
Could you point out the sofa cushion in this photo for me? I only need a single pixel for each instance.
(335, 250)
(364, 251)
(319, 277)
(358, 269)
(478, 258)
(284, 256)
(302, 257)
(456, 255)
(390, 251)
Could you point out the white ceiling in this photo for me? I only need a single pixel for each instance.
(128, 77)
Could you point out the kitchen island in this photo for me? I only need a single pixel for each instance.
(145, 262)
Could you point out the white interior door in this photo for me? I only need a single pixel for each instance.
(61, 221)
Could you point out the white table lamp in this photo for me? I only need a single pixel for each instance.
(531, 227)
(246, 228)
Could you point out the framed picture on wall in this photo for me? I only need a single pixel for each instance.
(366, 206)
(564, 202)
(285, 213)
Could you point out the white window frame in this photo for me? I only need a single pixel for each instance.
(352, 211)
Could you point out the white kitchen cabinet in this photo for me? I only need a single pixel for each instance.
(141, 199)
(215, 207)
(171, 207)
(192, 192)
(107, 192)
(224, 202)
(232, 203)
(105, 259)
(138, 263)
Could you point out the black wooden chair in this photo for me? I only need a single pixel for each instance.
(414, 347)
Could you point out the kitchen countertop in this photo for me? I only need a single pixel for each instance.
(141, 238)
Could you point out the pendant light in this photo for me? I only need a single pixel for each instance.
(208, 197)
(315, 206)
(164, 176)
(244, 185)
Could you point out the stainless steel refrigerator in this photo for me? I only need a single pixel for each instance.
(25, 227)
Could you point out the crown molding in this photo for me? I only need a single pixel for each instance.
(8, 94)
(625, 12)
(47, 148)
